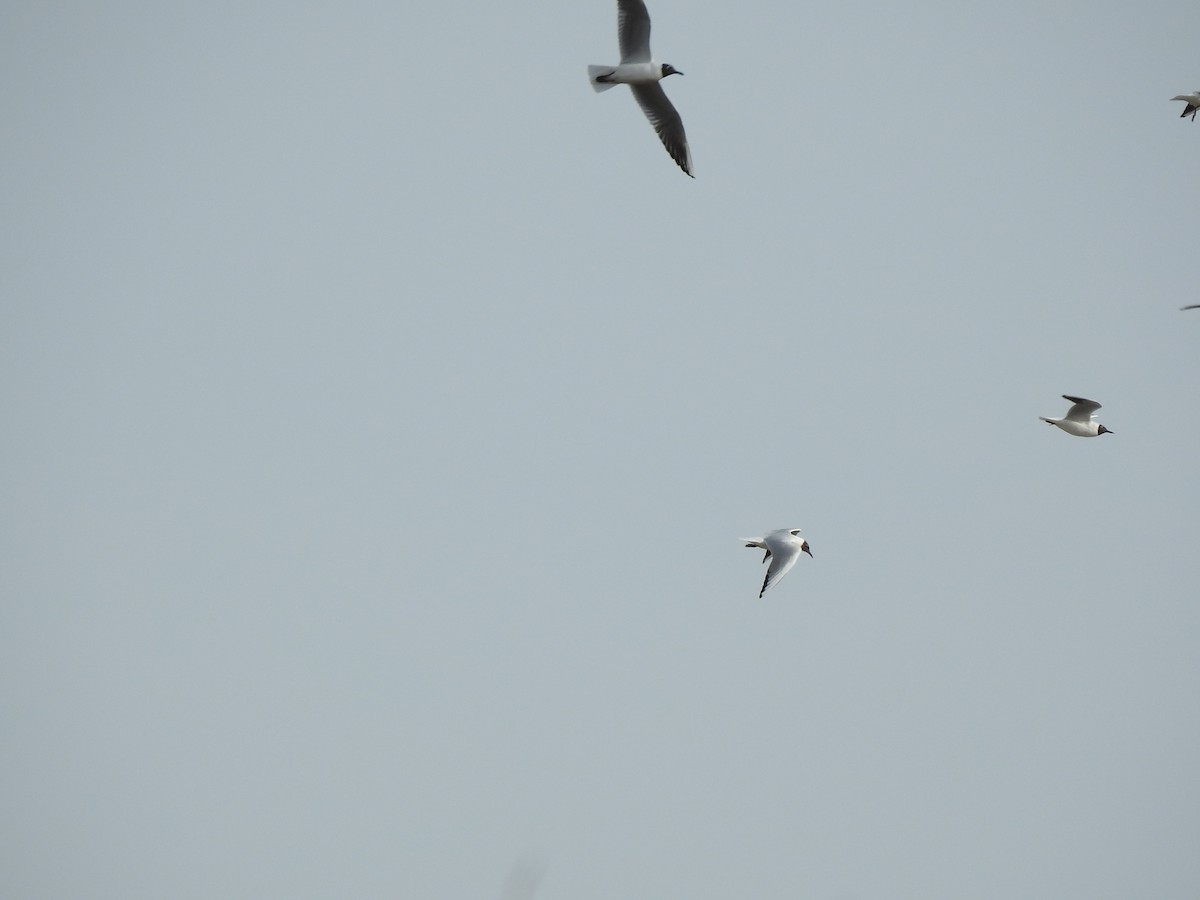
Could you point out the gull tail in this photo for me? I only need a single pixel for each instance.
(760, 544)
(595, 73)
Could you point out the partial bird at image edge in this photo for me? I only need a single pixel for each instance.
(1193, 104)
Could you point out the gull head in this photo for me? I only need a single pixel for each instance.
(1102, 430)
(804, 548)
(668, 69)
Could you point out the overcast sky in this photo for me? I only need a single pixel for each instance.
(382, 409)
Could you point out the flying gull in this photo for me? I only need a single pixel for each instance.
(783, 546)
(1078, 420)
(638, 70)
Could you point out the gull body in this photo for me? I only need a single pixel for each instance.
(1193, 103)
(1078, 420)
(642, 73)
(629, 73)
(783, 546)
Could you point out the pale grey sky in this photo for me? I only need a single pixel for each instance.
(383, 408)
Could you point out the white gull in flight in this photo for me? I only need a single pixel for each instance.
(783, 546)
(1078, 420)
(638, 70)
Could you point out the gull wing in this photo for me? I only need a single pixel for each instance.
(1083, 409)
(662, 115)
(783, 557)
(1192, 306)
(633, 31)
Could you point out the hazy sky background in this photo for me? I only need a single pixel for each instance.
(382, 409)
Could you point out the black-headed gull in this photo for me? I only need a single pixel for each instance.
(638, 70)
(783, 546)
(1078, 420)
(1193, 103)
